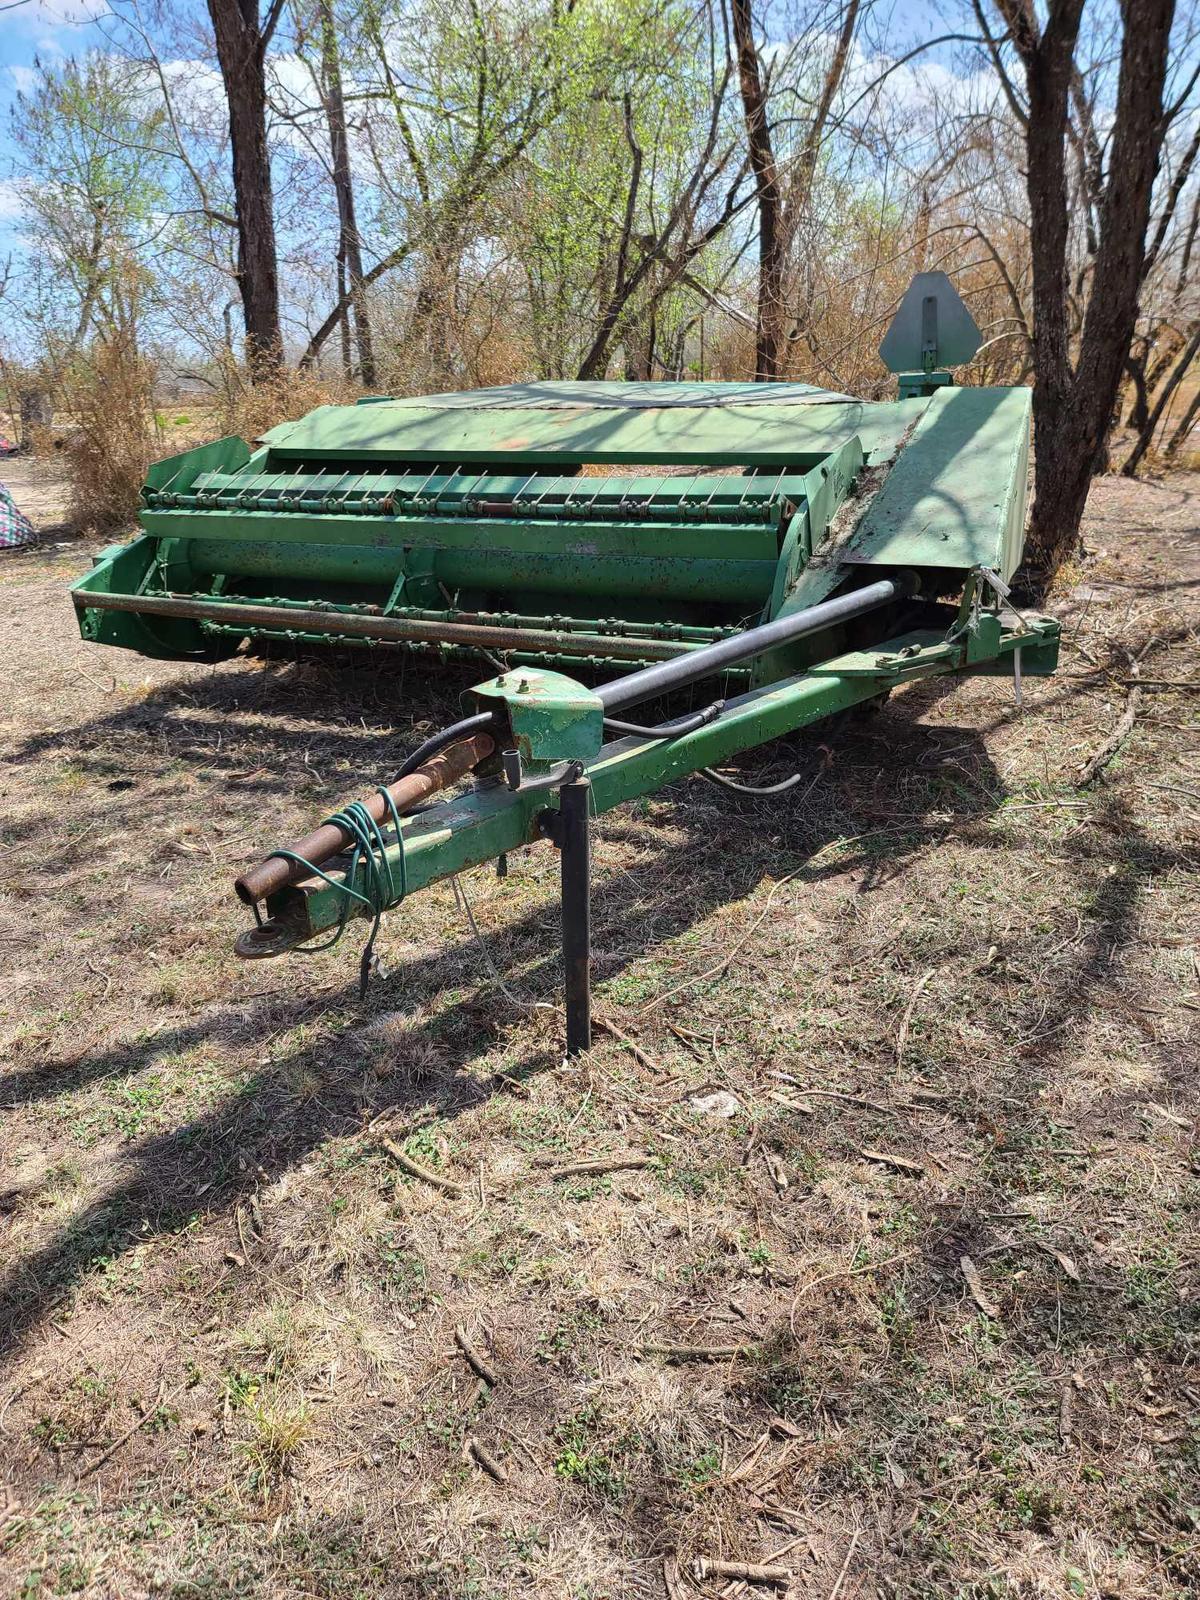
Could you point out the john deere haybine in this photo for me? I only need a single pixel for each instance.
(794, 551)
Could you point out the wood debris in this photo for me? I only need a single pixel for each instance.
(416, 1170)
(747, 1571)
(698, 1352)
(886, 1158)
(978, 1293)
(485, 1459)
(481, 1367)
(1096, 763)
(604, 1164)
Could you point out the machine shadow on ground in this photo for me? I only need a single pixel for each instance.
(207, 1166)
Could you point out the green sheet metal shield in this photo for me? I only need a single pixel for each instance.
(931, 329)
(552, 717)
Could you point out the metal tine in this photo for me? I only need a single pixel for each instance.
(526, 484)
(747, 479)
(683, 493)
(572, 497)
(270, 485)
(448, 477)
(716, 486)
(350, 487)
(600, 483)
(170, 481)
(430, 476)
(466, 493)
(543, 495)
(774, 490)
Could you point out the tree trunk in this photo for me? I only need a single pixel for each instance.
(1139, 411)
(1150, 426)
(1184, 429)
(1073, 403)
(640, 339)
(769, 320)
(344, 301)
(241, 50)
(350, 247)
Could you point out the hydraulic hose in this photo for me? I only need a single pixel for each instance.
(667, 730)
(481, 722)
(715, 658)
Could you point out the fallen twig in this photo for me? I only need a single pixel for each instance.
(727, 960)
(416, 1170)
(607, 1025)
(747, 1571)
(481, 1367)
(834, 1094)
(670, 1571)
(1096, 763)
(597, 1168)
(885, 1158)
(487, 1461)
(699, 1352)
(841, 1577)
(843, 1272)
(906, 1019)
(117, 1444)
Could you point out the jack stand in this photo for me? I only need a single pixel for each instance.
(568, 829)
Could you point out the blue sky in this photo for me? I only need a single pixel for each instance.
(51, 29)
(55, 29)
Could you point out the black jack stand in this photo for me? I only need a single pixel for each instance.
(569, 830)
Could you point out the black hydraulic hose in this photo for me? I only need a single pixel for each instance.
(714, 658)
(668, 730)
(691, 668)
(482, 722)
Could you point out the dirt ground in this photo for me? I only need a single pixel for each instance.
(911, 1187)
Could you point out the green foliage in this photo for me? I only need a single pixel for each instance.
(93, 185)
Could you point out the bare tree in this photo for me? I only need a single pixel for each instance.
(652, 263)
(1075, 393)
(783, 196)
(242, 41)
(349, 242)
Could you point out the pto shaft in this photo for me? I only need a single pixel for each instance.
(276, 872)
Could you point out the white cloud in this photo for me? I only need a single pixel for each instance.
(10, 199)
(23, 78)
(56, 28)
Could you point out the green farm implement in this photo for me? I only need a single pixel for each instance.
(602, 546)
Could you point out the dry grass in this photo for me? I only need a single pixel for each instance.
(249, 411)
(110, 395)
(974, 968)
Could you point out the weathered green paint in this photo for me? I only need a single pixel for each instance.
(476, 502)
(795, 436)
(483, 824)
(558, 394)
(956, 496)
(552, 718)
(685, 498)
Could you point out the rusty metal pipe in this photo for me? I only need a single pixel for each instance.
(438, 773)
(356, 625)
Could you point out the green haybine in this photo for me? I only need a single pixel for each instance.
(798, 550)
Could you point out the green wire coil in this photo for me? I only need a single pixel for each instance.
(380, 891)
